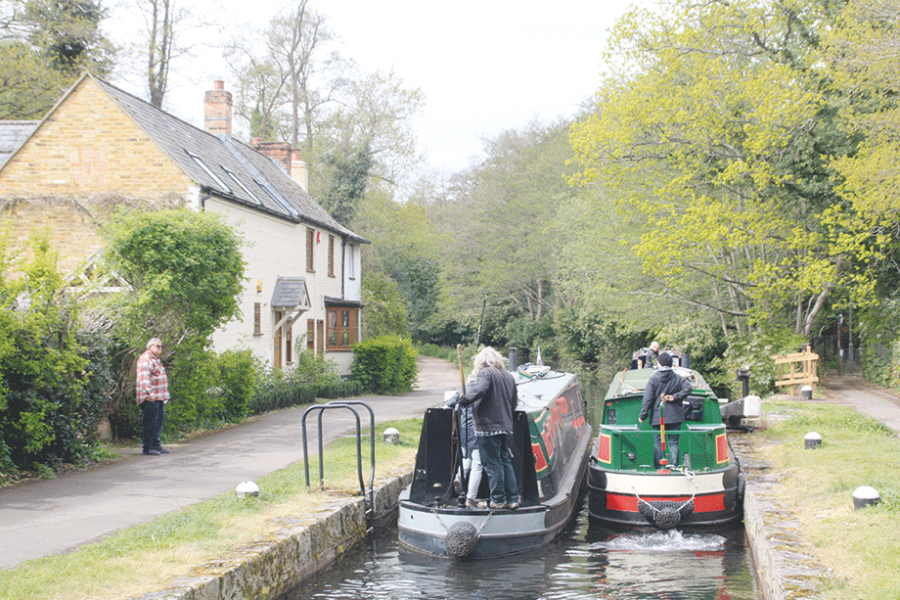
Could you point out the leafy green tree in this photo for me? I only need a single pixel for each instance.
(714, 131)
(68, 34)
(348, 184)
(184, 271)
(54, 379)
(385, 310)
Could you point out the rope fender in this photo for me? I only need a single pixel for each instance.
(665, 514)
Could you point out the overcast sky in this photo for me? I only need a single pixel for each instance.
(485, 66)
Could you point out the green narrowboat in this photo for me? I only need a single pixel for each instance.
(626, 490)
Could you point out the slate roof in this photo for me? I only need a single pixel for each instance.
(290, 292)
(12, 134)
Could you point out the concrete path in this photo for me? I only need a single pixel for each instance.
(47, 517)
(878, 403)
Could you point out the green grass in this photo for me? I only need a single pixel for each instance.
(147, 557)
(860, 547)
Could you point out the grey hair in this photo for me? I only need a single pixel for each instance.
(489, 358)
(152, 341)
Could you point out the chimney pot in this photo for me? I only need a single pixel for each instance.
(219, 84)
(299, 170)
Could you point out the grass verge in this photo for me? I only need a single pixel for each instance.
(859, 546)
(148, 557)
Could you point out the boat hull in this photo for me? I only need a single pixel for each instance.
(707, 500)
(431, 529)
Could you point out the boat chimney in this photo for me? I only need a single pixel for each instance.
(513, 365)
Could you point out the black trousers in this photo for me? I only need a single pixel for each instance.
(154, 417)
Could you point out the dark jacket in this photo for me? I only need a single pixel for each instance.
(665, 381)
(493, 396)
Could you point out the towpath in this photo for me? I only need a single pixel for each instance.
(46, 517)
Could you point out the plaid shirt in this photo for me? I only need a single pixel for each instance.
(152, 383)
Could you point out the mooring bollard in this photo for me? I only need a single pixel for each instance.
(247, 489)
(391, 436)
(806, 392)
(864, 496)
(812, 440)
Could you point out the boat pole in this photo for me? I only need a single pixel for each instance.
(663, 461)
(463, 436)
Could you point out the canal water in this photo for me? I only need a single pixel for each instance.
(584, 563)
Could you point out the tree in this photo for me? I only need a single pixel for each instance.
(67, 32)
(44, 44)
(184, 271)
(166, 24)
(714, 132)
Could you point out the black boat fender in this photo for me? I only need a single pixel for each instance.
(461, 540)
(665, 514)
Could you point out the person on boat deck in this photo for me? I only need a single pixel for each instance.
(471, 468)
(493, 396)
(665, 391)
(652, 355)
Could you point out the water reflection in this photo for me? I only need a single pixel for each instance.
(585, 563)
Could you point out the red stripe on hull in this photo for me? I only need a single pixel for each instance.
(629, 503)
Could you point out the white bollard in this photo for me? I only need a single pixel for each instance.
(391, 436)
(806, 392)
(247, 489)
(812, 440)
(864, 496)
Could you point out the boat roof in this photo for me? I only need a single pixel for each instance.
(537, 391)
(633, 381)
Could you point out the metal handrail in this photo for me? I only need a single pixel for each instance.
(321, 408)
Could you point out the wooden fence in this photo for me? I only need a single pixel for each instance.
(803, 367)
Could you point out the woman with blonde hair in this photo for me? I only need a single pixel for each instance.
(493, 397)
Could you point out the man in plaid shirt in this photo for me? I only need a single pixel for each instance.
(152, 394)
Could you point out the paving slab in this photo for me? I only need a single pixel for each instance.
(47, 517)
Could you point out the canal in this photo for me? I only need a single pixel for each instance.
(584, 563)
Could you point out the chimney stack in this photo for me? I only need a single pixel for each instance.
(217, 105)
(280, 152)
(299, 170)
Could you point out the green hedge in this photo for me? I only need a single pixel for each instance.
(385, 365)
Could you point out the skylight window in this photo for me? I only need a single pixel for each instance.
(241, 185)
(209, 172)
(284, 205)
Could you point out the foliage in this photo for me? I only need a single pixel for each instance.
(68, 35)
(279, 389)
(348, 184)
(712, 131)
(315, 368)
(184, 270)
(238, 373)
(385, 310)
(54, 379)
(756, 354)
(385, 365)
(194, 375)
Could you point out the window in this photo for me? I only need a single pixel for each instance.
(257, 318)
(342, 327)
(241, 185)
(331, 256)
(310, 334)
(310, 247)
(289, 346)
(223, 186)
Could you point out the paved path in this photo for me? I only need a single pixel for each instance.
(879, 403)
(47, 517)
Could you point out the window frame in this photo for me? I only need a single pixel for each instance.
(342, 342)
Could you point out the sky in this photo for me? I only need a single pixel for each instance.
(484, 66)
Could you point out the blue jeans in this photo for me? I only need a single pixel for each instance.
(154, 417)
(497, 461)
(671, 445)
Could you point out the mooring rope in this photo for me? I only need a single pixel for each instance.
(447, 529)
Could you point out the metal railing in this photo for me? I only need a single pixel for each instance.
(346, 404)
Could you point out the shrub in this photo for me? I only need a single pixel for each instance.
(238, 374)
(278, 389)
(385, 365)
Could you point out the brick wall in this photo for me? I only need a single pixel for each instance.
(85, 158)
